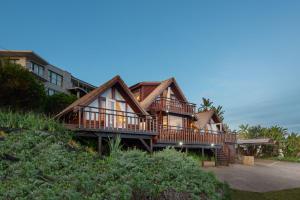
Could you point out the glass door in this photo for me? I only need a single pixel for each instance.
(111, 113)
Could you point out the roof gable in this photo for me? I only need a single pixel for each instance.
(160, 89)
(204, 117)
(89, 97)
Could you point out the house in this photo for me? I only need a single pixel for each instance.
(110, 110)
(153, 115)
(54, 78)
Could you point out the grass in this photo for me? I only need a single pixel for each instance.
(40, 160)
(290, 194)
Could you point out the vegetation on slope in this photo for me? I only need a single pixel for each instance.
(44, 162)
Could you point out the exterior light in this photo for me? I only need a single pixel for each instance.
(212, 144)
(167, 111)
(180, 143)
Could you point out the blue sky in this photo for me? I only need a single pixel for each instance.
(244, 55)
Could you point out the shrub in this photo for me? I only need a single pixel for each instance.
(20, 89)
(37, 164)
(57, 102)
(29, 121)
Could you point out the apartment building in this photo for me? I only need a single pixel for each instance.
(54, 78)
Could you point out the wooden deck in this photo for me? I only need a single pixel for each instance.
(173, 106)
(171, 135)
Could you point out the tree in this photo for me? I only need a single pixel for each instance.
(205, 105)
(57, 102)
(244, 131)
(20, 89)
(292, 145)
(219, 112)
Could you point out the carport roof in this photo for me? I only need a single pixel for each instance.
(255, 141)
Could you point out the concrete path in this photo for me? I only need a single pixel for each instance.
(265, 176)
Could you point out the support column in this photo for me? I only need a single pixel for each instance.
(151, 146)
(202, 152)
(100, 145)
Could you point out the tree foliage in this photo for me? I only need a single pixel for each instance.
(20, 90)
(288, 142)
(57, 102)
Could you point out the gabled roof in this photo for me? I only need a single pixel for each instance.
(144, 83)
(159, 90)
(204, 117)
(89, 97)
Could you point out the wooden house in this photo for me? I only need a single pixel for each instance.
(154, 114)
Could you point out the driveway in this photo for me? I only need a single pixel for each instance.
(264, 176)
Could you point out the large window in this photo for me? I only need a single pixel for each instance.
(55, 78)
(37, 69)
(51, 92)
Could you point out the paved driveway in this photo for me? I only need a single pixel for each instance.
(265, 176)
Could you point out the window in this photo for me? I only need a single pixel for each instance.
(51, 92)
(55, 78)
(13, 61)
(37, 69)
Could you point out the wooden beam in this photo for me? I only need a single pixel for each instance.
(145, 144)
(100, 145)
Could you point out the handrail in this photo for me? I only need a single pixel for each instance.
(169, 99)
(172, 105)
(116, 120)
(190, 135)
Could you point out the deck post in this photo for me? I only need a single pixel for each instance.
(202, 152)
(151, 146)
(100, 145)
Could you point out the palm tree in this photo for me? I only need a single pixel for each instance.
(205, 105)
(244, 131)
(219, 112)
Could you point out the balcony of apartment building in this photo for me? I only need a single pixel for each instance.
(173, 106)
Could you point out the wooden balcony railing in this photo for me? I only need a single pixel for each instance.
(93, 118)
(175, 106)
(169, 134)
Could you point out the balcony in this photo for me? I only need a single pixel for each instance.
(173, 106)
(105, 120)
(175, 135)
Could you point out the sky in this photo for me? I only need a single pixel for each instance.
(243, 55)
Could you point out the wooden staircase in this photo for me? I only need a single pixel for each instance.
(222, 156)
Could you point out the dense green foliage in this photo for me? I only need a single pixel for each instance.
(57, 102)
(28, 121)
(291, 194)
(289, 143)
(20, 90)
(38, 164)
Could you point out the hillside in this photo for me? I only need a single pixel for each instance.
(40, 160)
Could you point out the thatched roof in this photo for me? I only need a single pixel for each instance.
(159, 90)
(204, 117)
(89, 97)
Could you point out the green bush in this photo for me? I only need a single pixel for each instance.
(20, 89)
(57, 102)
(37, 164)
(29, 121)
